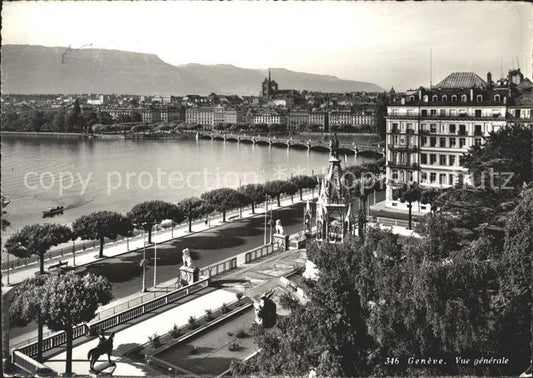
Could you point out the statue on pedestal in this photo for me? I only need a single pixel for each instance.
(279, 227)
(186, 257)
(188, 273)
(104, 347)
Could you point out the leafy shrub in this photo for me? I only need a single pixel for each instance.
(241, 334)
(155, 340)
(175, 332)
(209, 314)
(192, 322)
(224, 309)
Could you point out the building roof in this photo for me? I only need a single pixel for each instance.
(525, 84)
(462, 80)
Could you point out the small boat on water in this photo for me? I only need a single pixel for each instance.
(5, 202)
(53, 211)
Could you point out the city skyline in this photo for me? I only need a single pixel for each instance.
(323, 38)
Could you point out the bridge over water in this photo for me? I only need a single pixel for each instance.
(309, 144)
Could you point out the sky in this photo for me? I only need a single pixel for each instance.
(387, 43)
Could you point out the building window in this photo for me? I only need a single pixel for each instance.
(444, 98)
(497, 98)
(442, 112)
(453, 142)
(451, 179)
(452, 160)
(433, 112)
(452, 129)
(432, 158)
(432, 177)
(462, 142)
(424, 141)
(424, 113)
(435, 98)
(477, 113)
(454, 98)
(432, 141)
(411, 98)
(479, 98)
(478, 141)
(433, 128)
(477, 130)
(394, 174)
(442, 179)
(424, 177)
(442, 159)
(442, 142)
(462, 129)
(463, 98)
(423, 158)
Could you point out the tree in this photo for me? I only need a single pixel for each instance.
(100, 225)
(303, 182)
(515, 297)
(278, 187)
(506, 151)
(429, 197)
(223, 199)
(381, 113)
(408, 193)
(254, 193)
(328, 333)
(73, 120)
(146, 214)
(37, 239)
(104, 118)
(191, 208)
(68, 300)
(25, 306)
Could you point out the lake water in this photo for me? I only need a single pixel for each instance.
(90, 175)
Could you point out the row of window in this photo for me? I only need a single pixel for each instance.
(444, 160)
(494, 113)
(454, 98)
(434, 178)
(441, 128)
(443, 142)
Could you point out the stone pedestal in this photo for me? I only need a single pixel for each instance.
(281, 241)
(189, 274)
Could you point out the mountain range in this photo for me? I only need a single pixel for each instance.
(29, 69)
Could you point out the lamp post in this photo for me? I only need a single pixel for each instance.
(73, 252)
(266, 212)
(155, 256)
(271, 224)
(143, 264)
(7, 253)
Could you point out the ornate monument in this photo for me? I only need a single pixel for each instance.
(333, 210)
(265, 310)
(188, 272)
(334, 218)
(281, 239)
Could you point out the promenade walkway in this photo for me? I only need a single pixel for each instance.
(112, 249)
(253, 280)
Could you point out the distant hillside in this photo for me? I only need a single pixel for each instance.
(30, 69)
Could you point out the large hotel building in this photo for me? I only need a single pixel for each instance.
(428, 130)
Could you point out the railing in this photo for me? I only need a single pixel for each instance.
(95, 326)
(257, 253)
(29, 364)
(403, 148)
(393, 164)
(395, 222)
